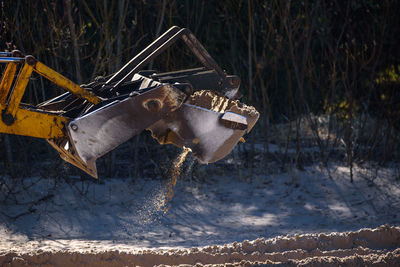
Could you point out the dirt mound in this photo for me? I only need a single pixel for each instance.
(366, 247)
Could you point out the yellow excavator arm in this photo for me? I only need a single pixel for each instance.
(194, 108)
(30, 121)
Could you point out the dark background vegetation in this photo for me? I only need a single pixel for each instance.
(324, 74)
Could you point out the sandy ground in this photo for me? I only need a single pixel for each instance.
(365, 247)
(298, 218)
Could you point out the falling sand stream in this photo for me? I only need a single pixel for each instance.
(174, 173)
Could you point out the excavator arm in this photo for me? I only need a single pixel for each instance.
(193, 108)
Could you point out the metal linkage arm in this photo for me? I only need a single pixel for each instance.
(229, 85)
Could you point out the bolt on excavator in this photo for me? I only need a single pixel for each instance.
(193, 108)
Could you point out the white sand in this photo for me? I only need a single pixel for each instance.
(122, 223)
(367, 246)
